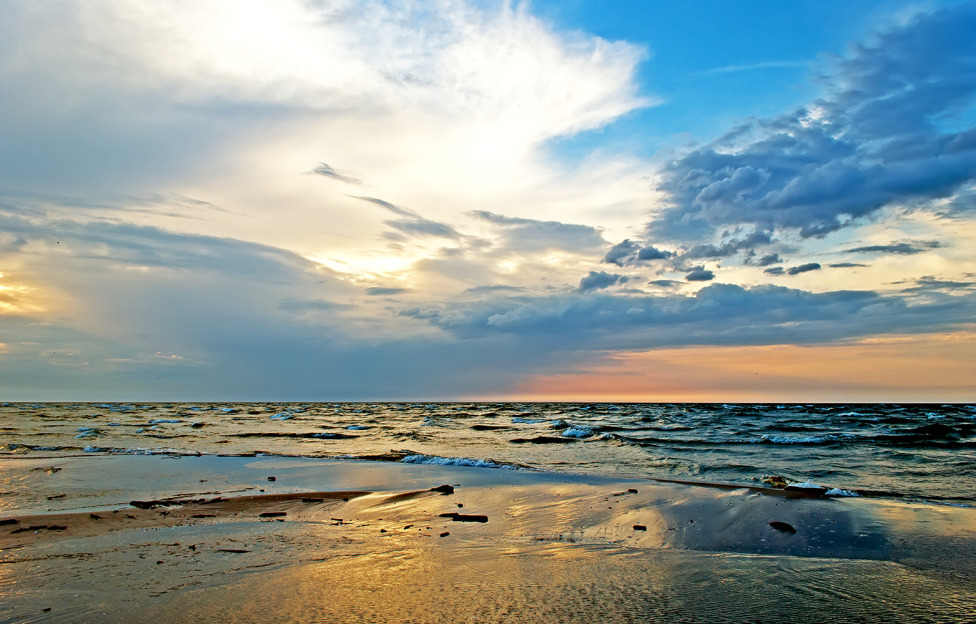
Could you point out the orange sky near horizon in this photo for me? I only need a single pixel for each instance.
(890, 369)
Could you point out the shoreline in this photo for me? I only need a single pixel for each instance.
(340, 520)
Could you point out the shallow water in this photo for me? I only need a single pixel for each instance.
(924, 452)
(554, 549)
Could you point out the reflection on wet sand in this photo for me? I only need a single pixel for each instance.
(388, 544)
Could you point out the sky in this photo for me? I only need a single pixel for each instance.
(323, 200)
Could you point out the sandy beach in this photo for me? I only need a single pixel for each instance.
(262, 539)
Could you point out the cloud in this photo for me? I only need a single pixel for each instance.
(872, 142)
(628, 252)
(531, 235)
(700, 274)
(597, 280)
(902, 249)
(775, 271)
(620, 252)
(769, 259)
(930, 284)
(379, 291)
(846, 265)
(803, 268)
(414, 224)
(718, 314)
(325, 170)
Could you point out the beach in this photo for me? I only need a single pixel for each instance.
(260, 539)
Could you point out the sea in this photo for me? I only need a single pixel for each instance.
(918, 452)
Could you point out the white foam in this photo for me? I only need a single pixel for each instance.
(577, 432)
(434, 460)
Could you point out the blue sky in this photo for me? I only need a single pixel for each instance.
(341, 200)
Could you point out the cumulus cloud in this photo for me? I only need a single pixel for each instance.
(873, 141)
(627, 252)
(769, 259)
(597, 280)
(620, 252)
(700, 274)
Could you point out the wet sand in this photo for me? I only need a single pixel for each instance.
(231, 539)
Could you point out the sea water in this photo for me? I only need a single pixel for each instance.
(912, 451)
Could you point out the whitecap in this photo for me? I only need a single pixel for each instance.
(577, 432)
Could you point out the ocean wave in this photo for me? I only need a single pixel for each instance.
(139, 451)
(289, 434)
(436, 460)
(772, 439)
(577, 432)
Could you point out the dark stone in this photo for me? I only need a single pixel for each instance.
(272, 479)
(273, 514)
(6, 521)
(640, 527)
(445, 533)
(782, 526)
(456, 517)
(94, 516)
(443, 489)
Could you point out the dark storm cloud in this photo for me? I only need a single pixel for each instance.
(775, 271)
(846, 265)
(597, 280)
(877, 139)
(328, 172)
